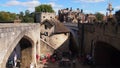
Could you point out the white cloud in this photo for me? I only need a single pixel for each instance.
(87, 11)
(117, 7)
(90, 1)
(12, 3)
(28, 4)
(55, 6)
(102, 12)
(53, 0)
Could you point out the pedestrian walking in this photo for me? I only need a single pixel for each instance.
(74, 63)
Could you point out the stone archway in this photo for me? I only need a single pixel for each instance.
(106, 55)
(26, 53)
(21, 55)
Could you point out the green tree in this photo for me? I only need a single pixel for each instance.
(44, 8)
(21, 16)
(27, 12)
(12, 16)
(26, 16)
(117, 15)
(7, 16)
(99, 16)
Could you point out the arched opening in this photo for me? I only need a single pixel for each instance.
(26, 53)
(106, 55)
(22, 55)
(73, 45)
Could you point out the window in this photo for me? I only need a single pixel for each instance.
(45, 26)
(43, 16)
(51, 17)
(65, 33)
(46, 33)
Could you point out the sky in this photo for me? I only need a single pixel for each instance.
(88, 6)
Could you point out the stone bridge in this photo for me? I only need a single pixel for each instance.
(19, 39)
(101, 41)
(73, 27)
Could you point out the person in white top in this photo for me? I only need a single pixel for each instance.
(31, 65)
(15, 60)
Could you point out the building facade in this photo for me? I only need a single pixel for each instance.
(69, 15)
(41, 16)
(55, 36)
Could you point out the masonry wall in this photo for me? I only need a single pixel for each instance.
(45, 48)
(40, 17)
(49, 30)
(104, 32)
(60, 41)
(11, 34)
(55, 42)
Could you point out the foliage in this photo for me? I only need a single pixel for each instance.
(117, 15)
(7, 16)
(44, 8)
(99, 16)
(26, 16)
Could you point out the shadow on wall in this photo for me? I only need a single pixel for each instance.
(21, 55)
(106, 55)
(73, 45)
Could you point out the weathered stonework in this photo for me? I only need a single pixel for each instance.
(11, 34)
(40, 17)
(94, 36)
(54, 34)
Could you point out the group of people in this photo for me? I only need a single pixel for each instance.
(50, 58)
(63, 59)
(67, 59)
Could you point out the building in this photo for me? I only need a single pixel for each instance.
(71, 16)
(54, 36)
(41, 16)
(90, 18)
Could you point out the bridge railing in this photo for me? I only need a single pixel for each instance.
(103, 28)
(108, 28)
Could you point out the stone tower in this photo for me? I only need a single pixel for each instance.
(41, 16)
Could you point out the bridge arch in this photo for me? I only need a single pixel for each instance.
(74, 35)
(73, 46)
(105, 54)
(22, 54)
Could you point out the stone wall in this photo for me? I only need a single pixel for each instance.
(55, 42)
(60, 41)
(11, 34)
(105, 32)
(46, 48)
(40, 17)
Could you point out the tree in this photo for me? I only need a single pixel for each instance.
(99, 16)
(27, 12)
(117, 15)
(26, 16)
(21, 16)
(7, 16)
(44, 8)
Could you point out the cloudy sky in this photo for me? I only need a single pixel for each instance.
(88, 6)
